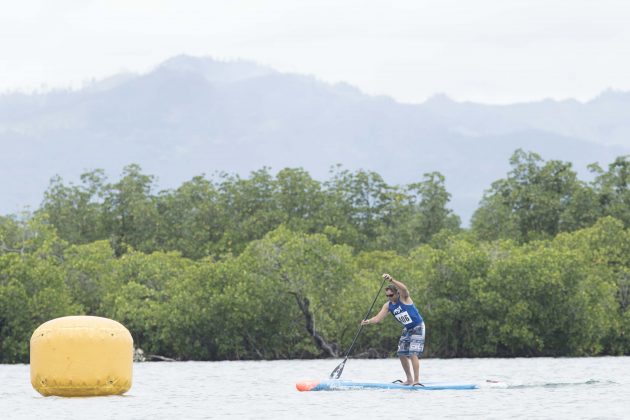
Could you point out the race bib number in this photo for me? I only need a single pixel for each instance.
(403, 318)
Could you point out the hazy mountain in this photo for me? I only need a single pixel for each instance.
(195, 115)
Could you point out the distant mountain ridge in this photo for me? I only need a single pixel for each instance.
(604, 119)
(197, 115)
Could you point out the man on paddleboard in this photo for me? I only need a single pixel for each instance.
(411, 343)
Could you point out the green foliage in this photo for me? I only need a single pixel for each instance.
(276, 272)
(530, 203)
(613, 189)
(77, 211)
(451, 308)
(90, 274)
(191, 219)
(32, 288)
(129, 211)
(284, 266)
(221, 216)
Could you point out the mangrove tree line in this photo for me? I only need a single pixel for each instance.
(284, 266)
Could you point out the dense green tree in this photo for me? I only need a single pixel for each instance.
(546, 304)
(605, 248)
(129, 211)
(295, 285)
(76, 211)
(282, 266)
(218, 217)
(10, 235)
(613, 189)
(90, 275)
(191, 219)
(251, 209)
(357, 201)
(582, 211)
(142, 299)
(433, 214)
(32, 288)
(300, 200)
(530, 203)
(451, 311)
(193, 325)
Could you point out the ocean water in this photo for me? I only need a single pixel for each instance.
(536, 388)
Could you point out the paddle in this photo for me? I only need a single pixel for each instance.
(337, 372)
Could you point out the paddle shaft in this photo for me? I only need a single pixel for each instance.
(337, 372)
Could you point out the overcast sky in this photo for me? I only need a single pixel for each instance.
(492, 51)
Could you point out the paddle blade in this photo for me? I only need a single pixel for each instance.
(336, 374)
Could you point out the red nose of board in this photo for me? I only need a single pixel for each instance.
(306, 385)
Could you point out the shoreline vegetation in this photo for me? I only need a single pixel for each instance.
(278, 267)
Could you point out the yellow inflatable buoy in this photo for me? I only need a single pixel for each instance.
(78, 356)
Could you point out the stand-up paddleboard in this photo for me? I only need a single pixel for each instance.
(342, 385)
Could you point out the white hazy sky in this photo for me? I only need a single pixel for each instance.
(493, 51)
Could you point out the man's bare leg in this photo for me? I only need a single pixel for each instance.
(415, 363)
(404, 361)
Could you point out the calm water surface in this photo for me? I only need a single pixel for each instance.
(585, 388)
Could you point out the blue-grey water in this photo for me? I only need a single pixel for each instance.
(539, 388)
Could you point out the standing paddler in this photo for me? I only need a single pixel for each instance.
(411, 343)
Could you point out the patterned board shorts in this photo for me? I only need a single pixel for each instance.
(412, 341)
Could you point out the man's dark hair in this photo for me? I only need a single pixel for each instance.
(392, 287)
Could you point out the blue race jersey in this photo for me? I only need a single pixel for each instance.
(407, 315)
